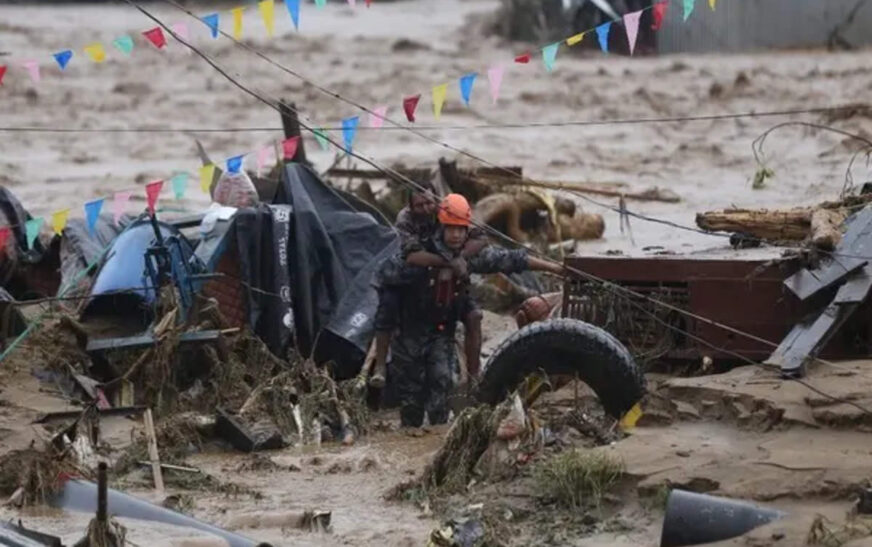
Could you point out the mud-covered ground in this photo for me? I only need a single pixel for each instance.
(746, 434)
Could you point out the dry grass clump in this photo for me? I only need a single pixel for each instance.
(576, 478)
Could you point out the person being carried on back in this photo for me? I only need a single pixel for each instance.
(432, 299)
(417, 225)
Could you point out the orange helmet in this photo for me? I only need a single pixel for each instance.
(455, 211)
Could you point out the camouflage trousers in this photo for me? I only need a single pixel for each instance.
(423, 367)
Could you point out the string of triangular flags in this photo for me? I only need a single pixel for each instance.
(98, 53)
(179, 184)
(495, 73)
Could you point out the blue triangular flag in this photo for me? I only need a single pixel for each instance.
(234, 164)
(349, 128)
(549, 55)
(602, 32)
(294, 9)
(92, 213)
(466, 86)
(212, 22)
(63, 58)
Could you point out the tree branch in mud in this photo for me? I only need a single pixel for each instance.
(765, 172)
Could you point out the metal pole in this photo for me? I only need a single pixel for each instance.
(102, 493)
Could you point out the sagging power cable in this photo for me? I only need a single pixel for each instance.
(416, 186)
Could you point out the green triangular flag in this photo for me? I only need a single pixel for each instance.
(688, 8)
(322, 139)
(32, 228)
(320, 3)
(180, 184)
(124, 44)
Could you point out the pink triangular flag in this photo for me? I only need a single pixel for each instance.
(631, 24)
(289, 147)
(263, 157)
(182, 30)
(351, 2)
(377, 117)
(495, 77)
(119, 205)
(152, 191)
(32, 67)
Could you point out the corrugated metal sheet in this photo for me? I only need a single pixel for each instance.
(745, 25)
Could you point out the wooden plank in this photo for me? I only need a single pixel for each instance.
(152, 451)
(146, 340)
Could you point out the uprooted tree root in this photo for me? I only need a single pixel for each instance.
(826, 533)
(103, 534)
(32, 477)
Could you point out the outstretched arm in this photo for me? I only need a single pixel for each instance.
(538, 264)
(497, 260)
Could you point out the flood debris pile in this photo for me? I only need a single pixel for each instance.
(33, 476)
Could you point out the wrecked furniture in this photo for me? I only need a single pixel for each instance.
(839, 289)
(694, 519)
(743, 291)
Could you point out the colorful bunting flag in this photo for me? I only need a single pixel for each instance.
(466, 83)
(234, 164)
(320, 3)
(207, 173)
(31, 230)
(368, 3)
(2, 73)
(96, 52)
(289, 147)
(237, 22)
(92, 213)
(572, 40)
(712, 4)
(262, 158)
(212, 22)
(180, 184)
(495, 77)
(631, 24)
(659, 12)
(377, 117)
(349, 128)
(294, 9)
(124, 44)
(119, 205)
(181, 30)
(322, 139)
(688, 8)
(351, 3)
(602, 32)
(32, 68)
(59, 220)
(5, 232)
(267, 11)
(152, 192)
(549, 55)
(156, 37)
(523, 59)
(410, 104)
(439, 93)
(63, 58)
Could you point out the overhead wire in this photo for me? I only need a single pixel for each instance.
(408, 181)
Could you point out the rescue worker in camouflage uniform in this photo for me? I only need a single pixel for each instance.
(417, 224)
(432, 301)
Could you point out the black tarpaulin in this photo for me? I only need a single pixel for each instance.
(314, 253)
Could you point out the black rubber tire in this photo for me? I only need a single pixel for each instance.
(565, 347)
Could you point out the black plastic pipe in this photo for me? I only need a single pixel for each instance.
(697, 519)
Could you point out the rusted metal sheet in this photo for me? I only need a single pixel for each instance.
(746, 295)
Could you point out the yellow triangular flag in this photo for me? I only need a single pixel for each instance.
(267, 11)
(59, 220)
(237, 22)
(712, 4)
(572, 40)
(96, 52)
(206, 174)
(631, 417)
(439, 93)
